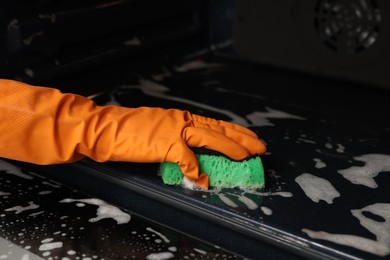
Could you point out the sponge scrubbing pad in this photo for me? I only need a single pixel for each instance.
(222, 171)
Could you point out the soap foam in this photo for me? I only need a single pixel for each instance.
(14, 170)
(374, 164)
(250, 204)
(340, 148)
(227, 201)
(261, 118)
(381, 229)
(104, 210)
(166, 240)
(20, 209)
(317, 188)
(160, 256)
(319, 164)
(267, 211)
(50, 246)
(285, 194)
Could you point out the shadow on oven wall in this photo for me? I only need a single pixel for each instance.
(49, 39)
(344, 39)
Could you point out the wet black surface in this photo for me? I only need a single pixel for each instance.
(314, 128)
(53, 221)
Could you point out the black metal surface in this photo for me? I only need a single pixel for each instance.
(308, 144)
(131, 194)
(56, 222)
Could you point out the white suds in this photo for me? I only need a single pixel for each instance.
(306, 140)
(285, 194)
(200, 251)
(28, 40)
(50, 246)
(261, 118)
(188, 184)
(20, 209)
(248, 202)
(29, 72)
(317, 188)
(166, 240)
(12, 169)
(329, 145)
(266, 211)
(104, 210)
(71, 252)
(227, 201)
(381, 230)
(357, 242)
(195, 65)
(319, 164)
(374, 164)
(47, 240)
(36, 213)
(160, 256)
(340, 148)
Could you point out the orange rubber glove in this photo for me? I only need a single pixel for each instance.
(44, 126)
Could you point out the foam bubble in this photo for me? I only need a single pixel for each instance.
(317, 188)
(262, 118)
(160, 256)
(14, 170)
(47, 240)
(374, 164)
(380, 246)
(104, 210)
(227, 201)
(250, 204)
(166, 240)
(319, 164)
(266, 211)
(20, 209)
(50, 246)
(36, 213)
(200, 251)
(71, 252)
(340, 148)
(172, 248)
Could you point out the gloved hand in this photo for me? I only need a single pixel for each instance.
(44, 126)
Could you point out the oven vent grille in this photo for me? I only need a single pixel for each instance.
(347, 26)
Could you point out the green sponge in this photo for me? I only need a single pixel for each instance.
(222, 171)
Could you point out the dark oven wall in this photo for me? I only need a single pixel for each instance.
(345, 39)
(46, 39)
